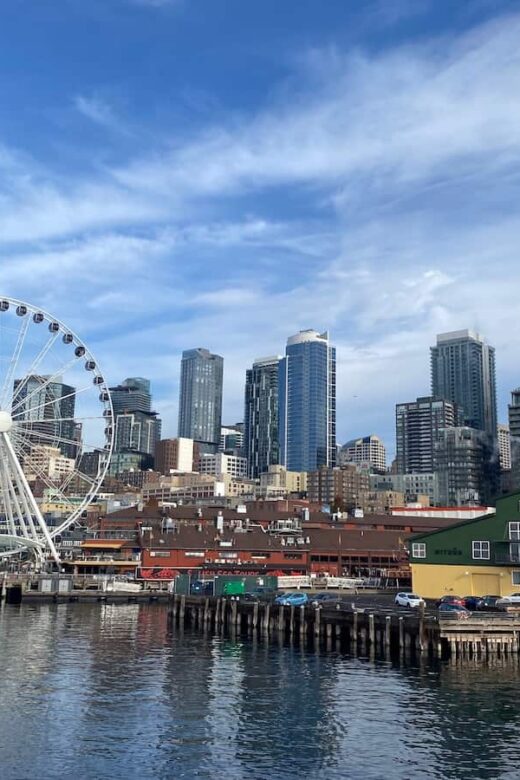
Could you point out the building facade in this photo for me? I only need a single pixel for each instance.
(232, 439)
(220, 463)
(411, 486)
(466, 467)
(175, 455)
(132, 395)
(514, 433)
(340, 487)
(200, 399)
(307, 402)
(504, 447)
(463, 371)
(475, 557)
(368, 450)
(50, 405)
(137, 429)
(418, 425)
(261, 445)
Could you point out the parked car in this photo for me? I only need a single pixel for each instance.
(460, 613)
(508, 601)
(256, 595)
(292, 599)
(323, 599)
(472, 602)
(409, 600)
(201, 588)
(488, 603)
(457, 600)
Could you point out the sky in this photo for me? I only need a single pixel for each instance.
(221, 173)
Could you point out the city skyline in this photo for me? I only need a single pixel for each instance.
(352, 171)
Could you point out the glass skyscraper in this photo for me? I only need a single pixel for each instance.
(463, 371)
(137, 428)
(50, 406)
(261, 446)
(200, 401)
(307, 402)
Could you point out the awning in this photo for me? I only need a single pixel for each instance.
(103, 544)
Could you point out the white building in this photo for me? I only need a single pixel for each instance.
(369, 450)
(504, 446)
(220, 463)
(47, 462)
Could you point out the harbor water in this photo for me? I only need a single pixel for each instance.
(93, 691)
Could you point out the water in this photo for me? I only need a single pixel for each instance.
(100, 691)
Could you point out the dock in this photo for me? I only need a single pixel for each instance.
(364, 631)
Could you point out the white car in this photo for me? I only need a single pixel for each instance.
(409, 600)
(509, 601)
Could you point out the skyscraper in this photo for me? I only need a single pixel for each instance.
(50, 406)
(368, 450)
(307, 402)
(200, 401)
(466, 471)
(514, 432)
(261, 446)
(418, 426)
(137, 428)
(463, 371)
(132, 395)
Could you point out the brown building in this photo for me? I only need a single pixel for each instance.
(175, 455)
(340, 487)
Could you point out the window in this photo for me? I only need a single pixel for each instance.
(481, 550)
(514, 531)
(418, 550)
(515, 577)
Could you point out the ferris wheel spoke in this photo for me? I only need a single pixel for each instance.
(8, 510)
(30, 433)
(33, 409)
(60, 419)
(34, 365)
(48, 380)
(36, 468)
(34, 509)
(16, 504)
(4, 394)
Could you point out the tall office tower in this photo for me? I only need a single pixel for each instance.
(369, 450)
(261, 446)
(137, 428)
(232, 439)
(418, 425)
(463, 371)
(51, 406)
(132, 395)
(307, 402)
(504, 446)
(200, 401)
(466, 471)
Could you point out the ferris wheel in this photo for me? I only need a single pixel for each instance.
(56, 428)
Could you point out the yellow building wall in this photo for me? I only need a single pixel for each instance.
(434, 580)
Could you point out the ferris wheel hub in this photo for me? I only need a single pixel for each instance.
(6, 422)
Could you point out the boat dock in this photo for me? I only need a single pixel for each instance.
(360, 630)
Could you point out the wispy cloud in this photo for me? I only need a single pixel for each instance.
(373, 199)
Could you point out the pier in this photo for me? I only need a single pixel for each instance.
(359, 630)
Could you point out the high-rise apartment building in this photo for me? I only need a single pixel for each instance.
(465, 467)
(200, 399)
(368, 450)
(261, 446)
(50, 406)
(463, 371)
(504, 447)
(418, 427)
(132, 395)
(344, 487)
(137, 429)
(307, 402)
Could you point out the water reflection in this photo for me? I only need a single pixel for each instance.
(94, 691)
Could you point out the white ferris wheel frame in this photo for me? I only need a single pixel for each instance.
(27, 527)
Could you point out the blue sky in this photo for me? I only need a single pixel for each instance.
(180, 173)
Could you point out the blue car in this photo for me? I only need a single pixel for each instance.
(292, 599)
